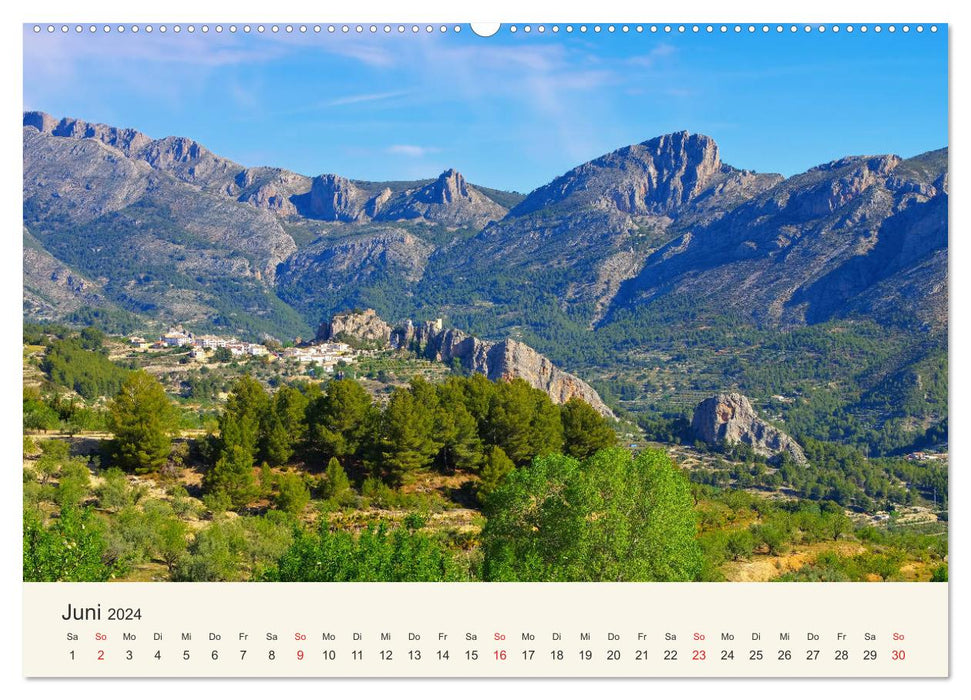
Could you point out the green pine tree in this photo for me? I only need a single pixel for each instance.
(497, 467)
(336, 485)
(142, 419)
(233, 477)
(405, 445)
(584, 430)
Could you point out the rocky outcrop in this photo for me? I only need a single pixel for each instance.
(504, 360)
(362, 325)
(656, 177)
(449, 200)
(335, 198)
(730, 418)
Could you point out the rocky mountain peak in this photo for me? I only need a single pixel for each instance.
(450, 187)
(335, 198)
(730, 418)
(655, 177)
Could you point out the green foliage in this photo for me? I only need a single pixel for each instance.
(523, 422)
(73, 483)
(612, 517)
(584, 430)
(86, 371)
(71, 548)
(232, 478)
(740, 544)
(497, 467)
(336, 486)
(377, 554)
(406, 441)
(114, 493)
(142, 419)
(338, 421)
(239, 423)
(292, 495)
(38, 414)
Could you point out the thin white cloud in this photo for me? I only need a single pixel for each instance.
(411, 151)
(366, 97)
(650, 59)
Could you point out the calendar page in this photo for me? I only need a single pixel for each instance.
(485, 350)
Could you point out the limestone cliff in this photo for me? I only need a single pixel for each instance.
(504, 360)
(730, 418)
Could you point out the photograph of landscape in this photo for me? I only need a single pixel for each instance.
(411, 304)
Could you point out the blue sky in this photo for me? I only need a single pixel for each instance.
(511, 111)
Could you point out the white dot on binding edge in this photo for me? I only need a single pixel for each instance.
(36, 29)
(933, 27)
(163, 29)
(640, 29)
(429, 29)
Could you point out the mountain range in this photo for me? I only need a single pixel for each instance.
(661, 230)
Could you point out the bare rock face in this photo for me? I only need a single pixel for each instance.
(505, 360)
(730, 418)
(335, 198)
(656, 177)
(363, 325)
(270, 198)
(449, 200)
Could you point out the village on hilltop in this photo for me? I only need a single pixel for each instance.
(326, 354)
